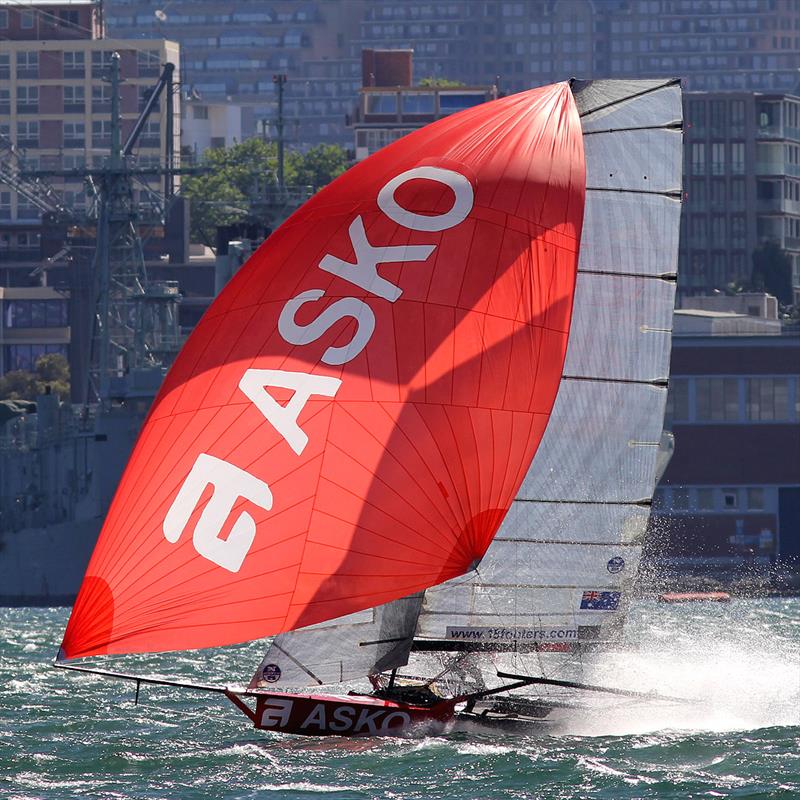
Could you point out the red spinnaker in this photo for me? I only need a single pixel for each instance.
(352, 418)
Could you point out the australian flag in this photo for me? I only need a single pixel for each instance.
(600, 601)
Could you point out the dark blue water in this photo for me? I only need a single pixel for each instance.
(69, 736)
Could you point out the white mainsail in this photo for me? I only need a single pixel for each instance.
(560, 570)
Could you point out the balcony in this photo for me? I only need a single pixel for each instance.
(777, 131)
(777, 168)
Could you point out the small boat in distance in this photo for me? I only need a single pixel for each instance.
(694, 597)
(467, 332)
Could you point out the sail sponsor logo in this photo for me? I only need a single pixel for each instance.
(310, 717)
(592, 600)
(271, 673)
(230, 483)
(501, 634)
(615, 565)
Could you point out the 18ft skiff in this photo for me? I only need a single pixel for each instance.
(468, 331)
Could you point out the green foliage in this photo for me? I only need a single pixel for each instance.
(318, 167)
(442, 83)
(242, 179)
(51, 370)
(772, 272)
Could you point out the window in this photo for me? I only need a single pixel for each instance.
(737, 117)
(27, 64)
(448, 103)
(755, 499)
(74, 135)
(697, 193)
(5, 101)
(101, 97)
(383, 103)
(26, 20)
(148, 62)
(718, 124)
(144, 96)
(737, 192)
(27, 99)
(200, 112)
(705, 499)
(5, 65)
(737, 158)
(418, 102)
(718, 225)
(767, 399)
(101, 62)
(151, 134)
(678, 400)
(730, 499)
(74, 65)
(698, 158)
(718, 158)
(36, 314)
(28, 134)
(697, 115)
(3, 19)
(74, 99)
(5, 205)
(738, 230)
(717, 399)
(101, 132)
(24, 356)
(680, 499)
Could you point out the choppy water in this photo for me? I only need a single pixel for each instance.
(69, 736)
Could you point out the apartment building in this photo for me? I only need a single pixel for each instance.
(741, 183)
(55, 106)
(233, 50)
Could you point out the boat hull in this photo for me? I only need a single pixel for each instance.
(352, 715)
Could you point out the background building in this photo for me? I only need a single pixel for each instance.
(55, 110)
(233, 49)
(742, 185)
(390, 106)
(34, 321)
(732, 489)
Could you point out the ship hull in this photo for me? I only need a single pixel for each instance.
(352, 715)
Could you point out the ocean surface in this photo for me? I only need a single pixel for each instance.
(64, 735)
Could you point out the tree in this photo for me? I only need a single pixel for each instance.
(441, 83)
(241, 180)
(51, 370)
(772, 272)
(316, 168)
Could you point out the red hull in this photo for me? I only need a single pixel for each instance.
(353, 715)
